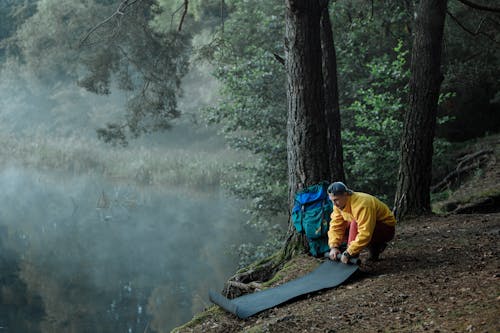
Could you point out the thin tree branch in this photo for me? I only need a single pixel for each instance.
(147, 327)
(173, 14)
(493, 21)
(149, 76)
(119, 12)
(469, 58)
(473, 33)
(479, 25)
(480, 7)
(279, 58)
(186, 4)
(222, 16)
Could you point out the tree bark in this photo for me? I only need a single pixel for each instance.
(331, 95)
(314, 146)
(307, 148)
(415, 170)
(306, 125)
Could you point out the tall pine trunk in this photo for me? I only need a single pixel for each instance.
(313, 121)
(308, 133)
(306, 127)
(415, 170)
(331, 95)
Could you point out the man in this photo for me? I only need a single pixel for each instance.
(360, 220)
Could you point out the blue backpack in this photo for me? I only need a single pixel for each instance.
(311, 216)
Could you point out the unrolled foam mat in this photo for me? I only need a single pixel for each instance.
(327, 275)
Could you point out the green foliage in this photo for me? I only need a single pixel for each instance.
(442, 161)
(141, 52)
(471, 60)
(371, 146)
(12, 15)
(251, 252)
(53, 31)
(364, 31)
(252, 110)
(201, 14)
(252, 107)
(471, 67)
(149, 64)
(87, 42)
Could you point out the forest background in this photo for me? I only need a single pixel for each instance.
(144, 49)
(149, 60)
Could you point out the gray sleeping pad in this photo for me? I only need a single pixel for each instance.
(327, 275)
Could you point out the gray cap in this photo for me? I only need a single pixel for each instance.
(338, 188)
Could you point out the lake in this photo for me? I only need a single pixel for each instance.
(79, 253)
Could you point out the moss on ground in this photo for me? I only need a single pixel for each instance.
(275, 258)
(295, 264)
(212, 312)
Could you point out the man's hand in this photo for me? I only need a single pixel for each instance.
(345, 257)
(334, 252)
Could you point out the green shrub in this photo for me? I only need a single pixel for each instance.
(371, 143)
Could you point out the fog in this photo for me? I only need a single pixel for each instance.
(164, 247)
(96, 238)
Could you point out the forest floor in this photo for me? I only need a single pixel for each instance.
(440, 274)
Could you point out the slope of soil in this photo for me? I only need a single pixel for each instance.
(476, 185)
(441, 274)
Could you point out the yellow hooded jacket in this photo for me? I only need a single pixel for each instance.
(366, 210)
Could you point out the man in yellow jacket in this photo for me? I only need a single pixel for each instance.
(360, 220)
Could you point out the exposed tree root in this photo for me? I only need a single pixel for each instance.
(250, 278)
(465, 164)
(483, 205)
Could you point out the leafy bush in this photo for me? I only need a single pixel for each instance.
(371, 143)
(252, 107)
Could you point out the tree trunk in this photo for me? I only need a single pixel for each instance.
(415, 170)
(313, 122)
(308, 161)
(331, 95)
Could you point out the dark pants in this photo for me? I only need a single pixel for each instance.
(381, 234)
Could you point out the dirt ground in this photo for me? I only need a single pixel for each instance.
(440, 274)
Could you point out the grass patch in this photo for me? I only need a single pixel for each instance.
(212, 312)
(140, 165)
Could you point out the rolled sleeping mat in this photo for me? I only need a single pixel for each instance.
(352, 260)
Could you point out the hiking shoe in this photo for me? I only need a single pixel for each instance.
(374, 251)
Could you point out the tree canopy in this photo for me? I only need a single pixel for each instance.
(144, 48)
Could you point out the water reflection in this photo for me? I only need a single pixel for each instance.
(81, 254)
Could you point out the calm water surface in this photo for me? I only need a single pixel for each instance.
(84, 254)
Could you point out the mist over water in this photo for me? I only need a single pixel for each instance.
(95, 238)
(119, 256)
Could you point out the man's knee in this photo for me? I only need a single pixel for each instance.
(383, 233)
